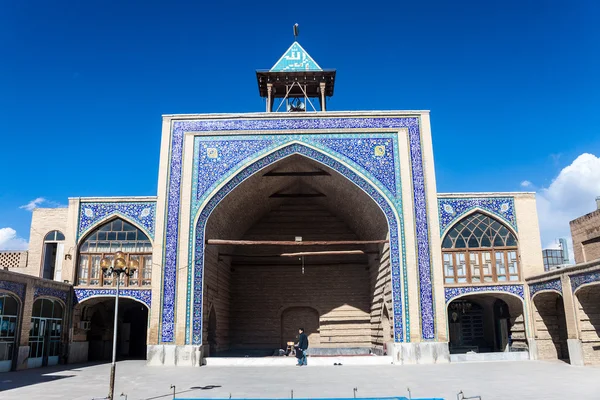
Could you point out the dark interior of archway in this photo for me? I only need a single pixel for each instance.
(131, 333)
(257, 294)
(485, 323)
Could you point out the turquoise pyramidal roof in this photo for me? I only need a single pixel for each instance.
(295, 59)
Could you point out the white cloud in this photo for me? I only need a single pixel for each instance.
(570, 195)
(10, 241)
(35, 203)
(526, 184)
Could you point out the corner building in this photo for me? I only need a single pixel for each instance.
(264, 222)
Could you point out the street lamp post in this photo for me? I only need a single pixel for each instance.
(117, 267)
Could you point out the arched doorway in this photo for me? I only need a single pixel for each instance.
(550, 326)
(45, 336)
(9, 320)
(486, 323)
(295, 199)
(588, 313)
(132, 328)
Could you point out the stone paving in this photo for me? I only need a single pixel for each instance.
(491, 380)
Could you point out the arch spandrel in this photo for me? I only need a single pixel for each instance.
(386, 205)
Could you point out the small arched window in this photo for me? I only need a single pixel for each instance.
(52, 254)
(54, 236)
(103, 242)
(480, 249)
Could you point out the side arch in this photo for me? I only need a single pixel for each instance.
(82, 236)
(584, 285)
(475, 210)
(546, 291)
(195, 279)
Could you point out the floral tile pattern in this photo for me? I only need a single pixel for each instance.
(553, 284)
(16, 288)
(453, 209)
(50, 292)
(581, 279)
(141, 212)
(453, 292)
(142, 295)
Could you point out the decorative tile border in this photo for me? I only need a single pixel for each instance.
(143, 213)
(554, 285)
(46, 291)
(142, 295)
(297, 148)
(16, 288)
(578, 280)
(453, 209)
(291, 124)
(454, 292)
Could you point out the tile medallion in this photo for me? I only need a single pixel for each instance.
(50, 292)
(143, 213)
(453, 292)
(554, 285)
(579, 280)
(141, 295)
(372, 167)
(16, 288)
(453, 209)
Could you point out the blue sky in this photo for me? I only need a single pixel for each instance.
(513, 88)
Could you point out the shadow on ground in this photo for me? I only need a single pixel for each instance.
(14, 380)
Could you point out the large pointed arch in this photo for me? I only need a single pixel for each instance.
(195, 277)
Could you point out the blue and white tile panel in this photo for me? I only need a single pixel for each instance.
(452, 210)
(142, 213)
(141, 295)
(454, 292)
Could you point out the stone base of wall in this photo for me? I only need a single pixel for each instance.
(78, 352)
(173, 355)
(419, 353)
(496, 356)
(22, 357)
(575, 352)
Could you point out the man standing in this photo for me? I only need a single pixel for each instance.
(302, 347)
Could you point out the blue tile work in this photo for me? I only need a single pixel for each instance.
(296, 148)
(142, 213)
(295, 59)
(581, 279)
(553, 284)
(142, 295)
(373, 154)
(292, 124)
(50, 292)
(453, 209)
(453, 292)
(16, 288)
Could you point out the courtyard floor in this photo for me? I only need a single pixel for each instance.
(490, 380)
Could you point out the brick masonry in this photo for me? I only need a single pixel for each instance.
(585, 231)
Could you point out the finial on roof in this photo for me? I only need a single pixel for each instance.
(296, 32)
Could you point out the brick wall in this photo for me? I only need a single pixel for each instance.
(550, 326)
(269, 297)
(43, 221)
(585, 231)
(381, 300)
(589, 323)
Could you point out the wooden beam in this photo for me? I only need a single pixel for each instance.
(297, 195)
(322, 253)
(225, 242)
(303, 173)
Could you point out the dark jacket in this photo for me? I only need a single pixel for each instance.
(303, 341)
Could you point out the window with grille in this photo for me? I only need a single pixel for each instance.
(480, 249)
(104, 242)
